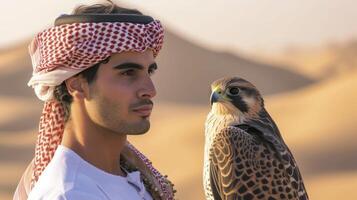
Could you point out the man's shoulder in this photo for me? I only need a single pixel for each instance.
(63, 178)
(64, 185)
(63, 169)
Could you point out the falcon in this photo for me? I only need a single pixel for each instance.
(245, 155)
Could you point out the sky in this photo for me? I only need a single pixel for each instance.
(237, 25)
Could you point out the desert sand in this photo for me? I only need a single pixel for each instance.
(316, 62)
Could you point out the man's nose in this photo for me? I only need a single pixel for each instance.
(148, 89)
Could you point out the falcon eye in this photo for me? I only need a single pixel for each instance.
(234, 91)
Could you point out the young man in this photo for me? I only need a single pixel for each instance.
(93, 70)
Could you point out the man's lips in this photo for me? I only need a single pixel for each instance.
(143, 110)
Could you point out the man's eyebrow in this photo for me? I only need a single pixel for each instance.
(130, 65)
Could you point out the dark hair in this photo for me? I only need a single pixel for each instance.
(61, 93)
(107, 8)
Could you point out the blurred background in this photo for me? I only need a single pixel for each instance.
(301, 54)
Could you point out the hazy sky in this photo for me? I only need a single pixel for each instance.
(243, 25)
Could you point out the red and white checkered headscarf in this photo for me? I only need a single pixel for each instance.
(62, 51)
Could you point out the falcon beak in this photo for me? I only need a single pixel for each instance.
(214, 97)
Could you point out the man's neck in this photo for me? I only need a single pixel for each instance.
(96, 145)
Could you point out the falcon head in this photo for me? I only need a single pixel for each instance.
(236, 96)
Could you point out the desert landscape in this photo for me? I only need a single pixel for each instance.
(311, 95)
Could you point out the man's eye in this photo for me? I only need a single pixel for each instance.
(129, 72)
(152, 71)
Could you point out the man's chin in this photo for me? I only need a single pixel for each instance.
(139, 129)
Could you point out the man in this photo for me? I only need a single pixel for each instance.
(93, 70)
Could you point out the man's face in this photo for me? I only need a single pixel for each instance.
(120, 97)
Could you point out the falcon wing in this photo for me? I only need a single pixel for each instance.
(245, 166)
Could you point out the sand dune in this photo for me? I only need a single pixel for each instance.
(19, 114)
(320, 107)
(318, 62)
(334, 186)
(10, 57)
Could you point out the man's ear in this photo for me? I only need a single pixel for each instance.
(76, 86)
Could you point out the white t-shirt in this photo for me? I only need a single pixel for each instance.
(69, 177)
